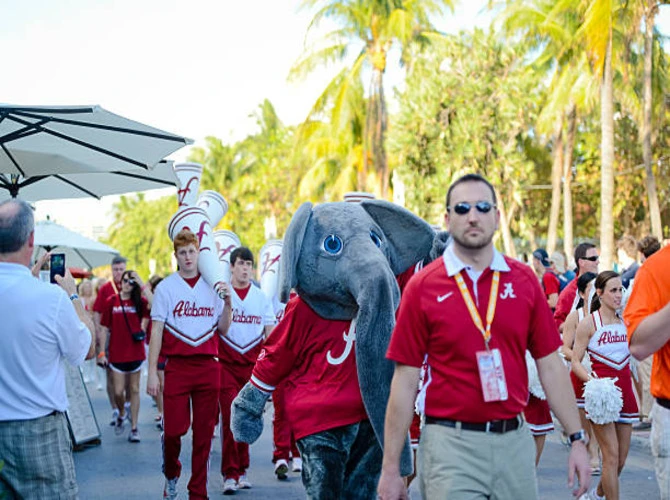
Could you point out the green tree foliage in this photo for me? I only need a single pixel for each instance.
(139, 232)
(469, 106)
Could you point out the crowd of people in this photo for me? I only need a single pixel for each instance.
(482, 429)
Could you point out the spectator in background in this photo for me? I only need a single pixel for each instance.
(107, 290)
(646, 247)
(152, 283)
(586, 258)
(42, 326)
(87, 296)
(647, 318)
(627, 259)
(124, 317)
(550, 283)
(559, 268)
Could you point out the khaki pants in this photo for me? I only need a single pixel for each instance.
(644, 373)
(660, 447)
(456, 464)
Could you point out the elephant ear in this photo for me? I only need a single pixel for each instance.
(409, 237)
(293, 238)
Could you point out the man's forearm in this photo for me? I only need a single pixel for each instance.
(558, 389)
(652, 334)
(155, 345)
(399, 414)
(225, 319)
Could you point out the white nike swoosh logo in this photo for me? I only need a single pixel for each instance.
(442, 298)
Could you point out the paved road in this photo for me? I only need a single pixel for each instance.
(120, 469)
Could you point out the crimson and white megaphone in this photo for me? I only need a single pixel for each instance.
(269, 265)
(195, 220)
(188, 175)
(214, 205)
(226, 241)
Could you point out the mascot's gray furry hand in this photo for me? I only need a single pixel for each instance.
(440, 243)
(246, 414)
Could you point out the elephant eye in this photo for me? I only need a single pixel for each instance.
(376, 239)
(332, 244)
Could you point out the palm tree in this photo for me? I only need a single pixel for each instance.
(376, 26)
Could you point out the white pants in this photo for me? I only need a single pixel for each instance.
(660, 447)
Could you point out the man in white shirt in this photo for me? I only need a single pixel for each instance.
(43, 325)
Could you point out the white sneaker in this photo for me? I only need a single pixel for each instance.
(170, 489)
(591, 495)
(229, 487)
(115, 415)
(297, 464)
(243, 482)
(281, 469)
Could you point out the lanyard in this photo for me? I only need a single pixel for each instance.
(474, 313)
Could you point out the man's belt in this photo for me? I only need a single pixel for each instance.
(665, 403)
(496, 426)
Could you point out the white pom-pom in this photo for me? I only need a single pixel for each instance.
(534, 384)
(602, 400)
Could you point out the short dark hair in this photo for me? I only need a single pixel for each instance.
(119, 260)
(15, 225)
(469, 178)
(648, 245)
(241, 253)
(580, 252)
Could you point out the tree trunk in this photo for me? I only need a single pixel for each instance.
(376, 124)
(556, 173)
(567, 182)
(607, 163)
(654, 210)
(509, 248)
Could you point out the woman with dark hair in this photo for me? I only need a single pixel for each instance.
(603, 335)
(125, 320)
(584, 288)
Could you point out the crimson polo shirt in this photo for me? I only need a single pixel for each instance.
(434, 320)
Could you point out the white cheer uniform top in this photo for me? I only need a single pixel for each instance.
(250, 316)
(609, 344)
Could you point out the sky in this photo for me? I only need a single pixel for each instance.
(196, 68)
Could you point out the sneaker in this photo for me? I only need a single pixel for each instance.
(229, 487)
(281, 469)
(591, 495)
(115, 415)
(243, 482)
(297, 464)
(118, 426)
(170, 489)
(642, 426)
(134, 436)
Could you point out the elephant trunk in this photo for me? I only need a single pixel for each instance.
(377, 299)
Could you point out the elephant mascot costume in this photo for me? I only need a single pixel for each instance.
(343, 260)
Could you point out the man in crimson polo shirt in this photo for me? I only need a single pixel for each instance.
(474, 313)
(586, 258)
(186, 315)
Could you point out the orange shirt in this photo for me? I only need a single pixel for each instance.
(651, 292)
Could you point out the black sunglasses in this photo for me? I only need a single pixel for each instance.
(593, 258)
(462, 208)
(126, 280)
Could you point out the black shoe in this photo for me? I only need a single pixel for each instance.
(642, 426)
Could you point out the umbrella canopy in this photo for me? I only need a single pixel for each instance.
(79, 250)
(36, 142)
(96, 185)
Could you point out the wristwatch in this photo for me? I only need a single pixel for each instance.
(580, 435)
(74, 296)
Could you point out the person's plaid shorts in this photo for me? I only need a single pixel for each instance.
(37, 456)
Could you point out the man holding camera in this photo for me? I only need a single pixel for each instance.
(42, 326)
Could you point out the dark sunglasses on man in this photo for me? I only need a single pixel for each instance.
(462, 208)
(593, 258)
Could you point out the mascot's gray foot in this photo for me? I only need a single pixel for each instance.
(246, 419)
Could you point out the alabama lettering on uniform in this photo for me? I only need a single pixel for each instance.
(192, 320)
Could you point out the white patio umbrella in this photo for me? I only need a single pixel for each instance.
(38, 142)
(79, 250)
(96, 185)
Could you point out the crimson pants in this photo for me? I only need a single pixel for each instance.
(234, 455)
(284, 441)
(190, 382)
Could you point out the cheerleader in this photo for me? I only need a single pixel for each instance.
(603, 335)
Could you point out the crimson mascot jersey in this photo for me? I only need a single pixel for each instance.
(318, 356)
